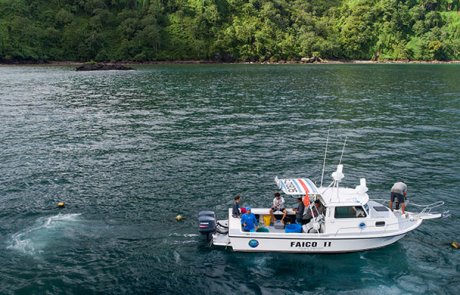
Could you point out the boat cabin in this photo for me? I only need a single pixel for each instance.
(338, 210)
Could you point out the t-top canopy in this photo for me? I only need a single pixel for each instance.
(297, 186)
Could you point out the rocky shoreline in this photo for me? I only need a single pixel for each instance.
(102, 67)
(125, 65)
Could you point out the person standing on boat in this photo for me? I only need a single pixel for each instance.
(236, 207)
(278, 205)
(249, 221)
(299, 211)
(399, 191)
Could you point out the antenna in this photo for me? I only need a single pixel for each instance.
(325, 154)
(343, 149)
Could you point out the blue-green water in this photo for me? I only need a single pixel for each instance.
(128, 151)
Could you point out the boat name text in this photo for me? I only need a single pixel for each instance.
(309, 244)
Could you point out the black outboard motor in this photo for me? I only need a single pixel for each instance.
(207, 220)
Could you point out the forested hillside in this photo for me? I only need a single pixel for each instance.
(228, 30)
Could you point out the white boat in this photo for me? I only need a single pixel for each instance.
(350, 222)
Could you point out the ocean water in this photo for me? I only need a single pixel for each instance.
(128, 151)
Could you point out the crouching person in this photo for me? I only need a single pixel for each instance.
(399, 191)
(249, 221)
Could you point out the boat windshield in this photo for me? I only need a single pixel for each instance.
(366, 209)
(349, 212)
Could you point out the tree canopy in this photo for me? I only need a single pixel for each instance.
(228, 30)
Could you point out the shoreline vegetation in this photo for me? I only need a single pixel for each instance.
(229, 31)
(207, 62)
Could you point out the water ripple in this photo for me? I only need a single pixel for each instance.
(128, 151)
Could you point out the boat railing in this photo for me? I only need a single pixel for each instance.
(379, 200)
(386, 200)
(427, 209)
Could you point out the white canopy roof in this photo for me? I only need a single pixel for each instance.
(297, 186)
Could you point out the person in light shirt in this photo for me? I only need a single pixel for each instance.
(278, 205)
(399, 191)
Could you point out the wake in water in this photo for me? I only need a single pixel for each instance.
(33, 240)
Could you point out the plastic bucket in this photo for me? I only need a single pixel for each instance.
(267, 219)
(263, 230)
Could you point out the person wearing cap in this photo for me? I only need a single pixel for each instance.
(399, 191)
(278, 205)
(249, 221)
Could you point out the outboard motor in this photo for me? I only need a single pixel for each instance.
(207, 220)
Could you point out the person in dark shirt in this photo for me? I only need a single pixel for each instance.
(314, 211)
(236, 207)
(299, 211)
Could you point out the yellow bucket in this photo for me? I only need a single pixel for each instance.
(267, 219)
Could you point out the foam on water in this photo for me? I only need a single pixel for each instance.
(183, 235)
(34, 239)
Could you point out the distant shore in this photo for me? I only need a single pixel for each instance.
(185, 62)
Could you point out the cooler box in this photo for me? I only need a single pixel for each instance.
(279, 225)
(293, 228)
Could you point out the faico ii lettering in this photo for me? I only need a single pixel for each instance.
(308, 244)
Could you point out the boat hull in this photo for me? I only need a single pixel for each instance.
(310, 244)
(377, 232)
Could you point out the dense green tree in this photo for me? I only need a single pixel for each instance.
(229, 30)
